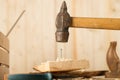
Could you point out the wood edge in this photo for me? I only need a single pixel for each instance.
(5, 77)
(4, 59)
(5, 42)
(45, 67)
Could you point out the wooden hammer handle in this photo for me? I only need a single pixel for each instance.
(96, 23)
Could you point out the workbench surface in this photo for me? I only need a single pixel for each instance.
(74, 74)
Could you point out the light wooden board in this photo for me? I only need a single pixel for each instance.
(4, 56)
(3, 70)
(4, 42)
(54, 66)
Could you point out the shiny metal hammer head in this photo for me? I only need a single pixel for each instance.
(63, 21)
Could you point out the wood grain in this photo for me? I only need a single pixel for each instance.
(78, 73)
(3, 70)
(34, 34)
(96, 23)
(54, 66)
(5, 77)
(4, 42)
(4, 57)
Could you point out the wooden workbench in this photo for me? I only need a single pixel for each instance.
(74, 74)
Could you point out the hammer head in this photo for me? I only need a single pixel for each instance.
(63, 21)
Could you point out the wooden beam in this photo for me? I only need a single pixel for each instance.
(4, 57)
(96, 23)
(53, 66)
(4, 42)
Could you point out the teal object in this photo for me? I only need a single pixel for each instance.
(43, 76)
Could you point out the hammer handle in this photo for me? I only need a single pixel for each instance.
(96, 23)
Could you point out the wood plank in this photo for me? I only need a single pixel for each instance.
(5, 77)
(4, 57)
(78, 73)
(53, 66)
(4, 42)
(102, 79)
(3, 70)
(96, 23)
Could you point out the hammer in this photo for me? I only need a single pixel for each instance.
(64, 21)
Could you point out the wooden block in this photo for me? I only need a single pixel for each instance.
(112, 75)
(4, 56)
(3, 70)
(4, 42)
(53, 66)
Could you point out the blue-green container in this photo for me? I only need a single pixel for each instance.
(44, 76)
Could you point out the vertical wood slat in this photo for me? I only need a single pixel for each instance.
(3, 71)
(32, 34)
(17, 36)
(4, 55)
(4, 49)
(5, 77)
(91, 44)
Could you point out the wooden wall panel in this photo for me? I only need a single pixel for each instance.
(3, 16)
(32, 41)
(91, 44)
(18, 59)
(40, 29)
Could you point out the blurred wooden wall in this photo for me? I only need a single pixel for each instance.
(32, 41)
